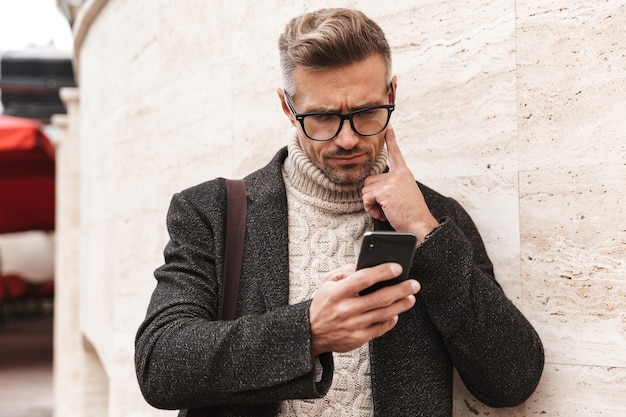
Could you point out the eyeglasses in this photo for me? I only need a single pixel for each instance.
(320, 126)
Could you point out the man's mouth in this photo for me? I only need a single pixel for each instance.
(348, 159)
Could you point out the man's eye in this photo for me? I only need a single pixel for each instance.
(323, 118)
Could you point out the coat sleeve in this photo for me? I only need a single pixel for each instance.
(495, 349)
(186, 358)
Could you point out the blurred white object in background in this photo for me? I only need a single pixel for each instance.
(28, 254)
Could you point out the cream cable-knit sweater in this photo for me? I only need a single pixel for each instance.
(326, 223)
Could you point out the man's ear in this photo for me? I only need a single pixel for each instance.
(393, 94)
(281, 96)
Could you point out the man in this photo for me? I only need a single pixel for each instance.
(305, 343)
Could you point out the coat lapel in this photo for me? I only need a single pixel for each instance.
(267, 245)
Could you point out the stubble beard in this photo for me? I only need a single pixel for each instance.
(349, 174)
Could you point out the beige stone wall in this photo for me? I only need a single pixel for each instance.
(514, 108)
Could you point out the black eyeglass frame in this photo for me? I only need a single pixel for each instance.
(343, 116)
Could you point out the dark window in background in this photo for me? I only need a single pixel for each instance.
(30, 86)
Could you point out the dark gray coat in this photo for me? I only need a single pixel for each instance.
(185, 358)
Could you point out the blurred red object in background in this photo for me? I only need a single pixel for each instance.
(27, 172)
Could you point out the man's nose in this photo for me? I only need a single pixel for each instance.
(347, 137)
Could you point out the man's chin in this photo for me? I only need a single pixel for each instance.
(347, 175)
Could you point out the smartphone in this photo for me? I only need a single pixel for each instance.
(387, 246)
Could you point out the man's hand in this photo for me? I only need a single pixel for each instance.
(394, 196)
(342, 321)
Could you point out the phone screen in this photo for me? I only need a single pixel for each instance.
(388, 246)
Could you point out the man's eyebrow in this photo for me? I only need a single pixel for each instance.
(328, 109)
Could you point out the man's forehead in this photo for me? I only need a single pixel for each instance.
(364, 80)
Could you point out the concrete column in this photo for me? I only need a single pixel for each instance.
(68, 347)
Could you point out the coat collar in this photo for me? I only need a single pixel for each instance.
(267, 254)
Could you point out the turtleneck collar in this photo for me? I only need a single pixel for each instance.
(315, 188)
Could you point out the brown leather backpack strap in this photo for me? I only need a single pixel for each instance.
(233, 255)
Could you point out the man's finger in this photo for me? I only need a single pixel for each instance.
(340, 273)
(396, 159)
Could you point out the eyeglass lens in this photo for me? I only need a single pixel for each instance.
(366, 123)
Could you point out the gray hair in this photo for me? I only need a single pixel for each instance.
(329, 38)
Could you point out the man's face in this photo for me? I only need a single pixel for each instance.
(349, 157)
